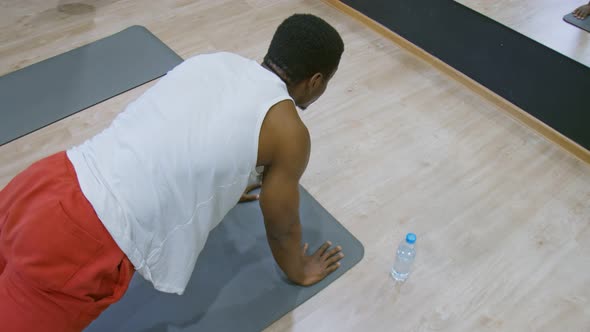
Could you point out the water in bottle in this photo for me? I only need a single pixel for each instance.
(404, 258)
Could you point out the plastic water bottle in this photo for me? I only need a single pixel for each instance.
(404, 258)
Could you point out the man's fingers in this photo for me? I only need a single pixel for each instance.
(323, 248)
(252, 187)
(332, 252)
(581, 12)
(248, 198)
(334, 259)
(332, 268)
(305, 246)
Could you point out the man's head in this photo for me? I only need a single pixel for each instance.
(305, 52)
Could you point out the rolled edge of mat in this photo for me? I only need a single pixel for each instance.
(514, 111)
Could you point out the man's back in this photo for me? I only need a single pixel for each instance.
(176, 160)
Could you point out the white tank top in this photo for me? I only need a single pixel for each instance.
(176, 160)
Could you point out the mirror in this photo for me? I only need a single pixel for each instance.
(542, 21)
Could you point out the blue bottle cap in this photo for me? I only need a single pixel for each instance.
(411, 238)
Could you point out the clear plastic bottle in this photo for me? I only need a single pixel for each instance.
(406, 253)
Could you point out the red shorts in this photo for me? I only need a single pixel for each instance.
(59, 267)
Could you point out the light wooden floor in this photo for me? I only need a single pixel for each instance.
(541, 20)
(502, 216)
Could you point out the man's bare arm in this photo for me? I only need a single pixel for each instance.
(279, 200)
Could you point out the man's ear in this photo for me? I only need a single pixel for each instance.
(316, 80)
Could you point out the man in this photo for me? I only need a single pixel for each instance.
(145, 193)
(582, 12)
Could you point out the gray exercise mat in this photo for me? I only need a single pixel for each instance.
(48, 91)
(236, 285)
(582, 24)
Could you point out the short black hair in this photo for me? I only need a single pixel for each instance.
(304, 45)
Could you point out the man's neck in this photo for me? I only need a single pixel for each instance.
(277, 71)
(280, 74)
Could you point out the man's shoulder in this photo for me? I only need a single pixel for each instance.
(286, 127)
(283, 136)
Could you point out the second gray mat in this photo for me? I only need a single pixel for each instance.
(582, 24)
(236, 285)
(45, 92)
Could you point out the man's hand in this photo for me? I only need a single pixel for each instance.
(247, 197)
(319, 265)
(582, 12)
